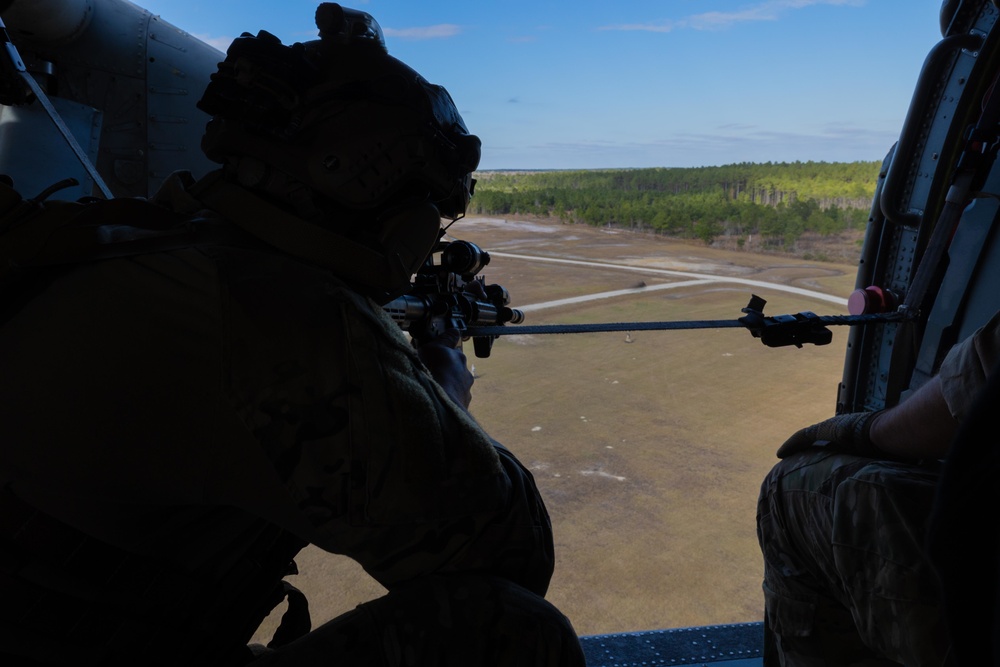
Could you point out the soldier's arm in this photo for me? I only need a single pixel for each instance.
(923, 425)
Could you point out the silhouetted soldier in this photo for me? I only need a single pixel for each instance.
(194, 388)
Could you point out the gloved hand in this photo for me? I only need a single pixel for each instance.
(445, 360)
(846, 433)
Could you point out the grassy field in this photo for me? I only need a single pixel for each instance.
(649, 447)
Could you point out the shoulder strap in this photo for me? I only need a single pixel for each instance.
(35, 235)
(38, 240)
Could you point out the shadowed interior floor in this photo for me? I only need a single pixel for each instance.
(736, 645)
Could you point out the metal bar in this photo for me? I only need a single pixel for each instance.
(21, 70)
(606, 326)
(778, 320)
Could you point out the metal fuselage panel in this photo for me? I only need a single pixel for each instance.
(143, 75)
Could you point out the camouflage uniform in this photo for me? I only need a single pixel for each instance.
(172, 405)
(847, 580)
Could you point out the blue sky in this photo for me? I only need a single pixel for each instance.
(640, 83)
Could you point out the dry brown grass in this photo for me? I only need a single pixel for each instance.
(649, 453)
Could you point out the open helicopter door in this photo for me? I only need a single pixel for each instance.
(932, 246)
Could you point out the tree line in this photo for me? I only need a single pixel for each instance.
(777, 202)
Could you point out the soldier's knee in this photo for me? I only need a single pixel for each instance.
(466, 619)
(445, 621)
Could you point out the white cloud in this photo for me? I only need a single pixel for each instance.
(771, 10)
(221, 43)
(440, 31)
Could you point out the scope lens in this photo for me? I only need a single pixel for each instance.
(464, 257)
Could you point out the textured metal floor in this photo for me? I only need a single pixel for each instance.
(737, 645)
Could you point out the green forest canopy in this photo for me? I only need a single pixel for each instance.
(777, 201)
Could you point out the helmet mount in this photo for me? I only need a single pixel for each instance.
(354, 125)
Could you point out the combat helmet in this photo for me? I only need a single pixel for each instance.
(348, 136)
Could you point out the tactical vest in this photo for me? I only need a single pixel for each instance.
(67, 598)
(38, 239)
(70, 599)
